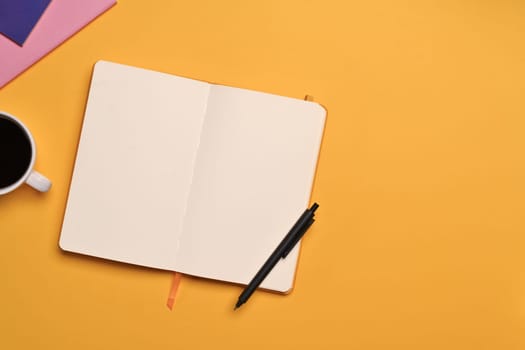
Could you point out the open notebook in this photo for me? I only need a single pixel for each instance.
(183, 175)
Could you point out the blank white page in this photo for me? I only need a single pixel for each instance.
(252, 180)
(134, 165)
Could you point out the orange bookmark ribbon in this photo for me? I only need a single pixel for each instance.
(173, 290)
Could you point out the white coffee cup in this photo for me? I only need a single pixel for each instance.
(27, 174)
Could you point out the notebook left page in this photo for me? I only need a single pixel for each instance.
(134, 165)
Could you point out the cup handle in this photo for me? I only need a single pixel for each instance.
(38, 181)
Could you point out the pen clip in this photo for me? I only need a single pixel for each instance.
(297, 237)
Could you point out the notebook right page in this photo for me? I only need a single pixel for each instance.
(252, 179)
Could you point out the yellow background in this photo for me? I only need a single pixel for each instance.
(419, 242)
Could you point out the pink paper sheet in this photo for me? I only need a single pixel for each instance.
(62, 19)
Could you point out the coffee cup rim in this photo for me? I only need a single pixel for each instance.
(23, 178)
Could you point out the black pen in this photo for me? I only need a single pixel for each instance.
(290, 240)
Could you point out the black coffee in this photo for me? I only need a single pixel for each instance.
(15, 152)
